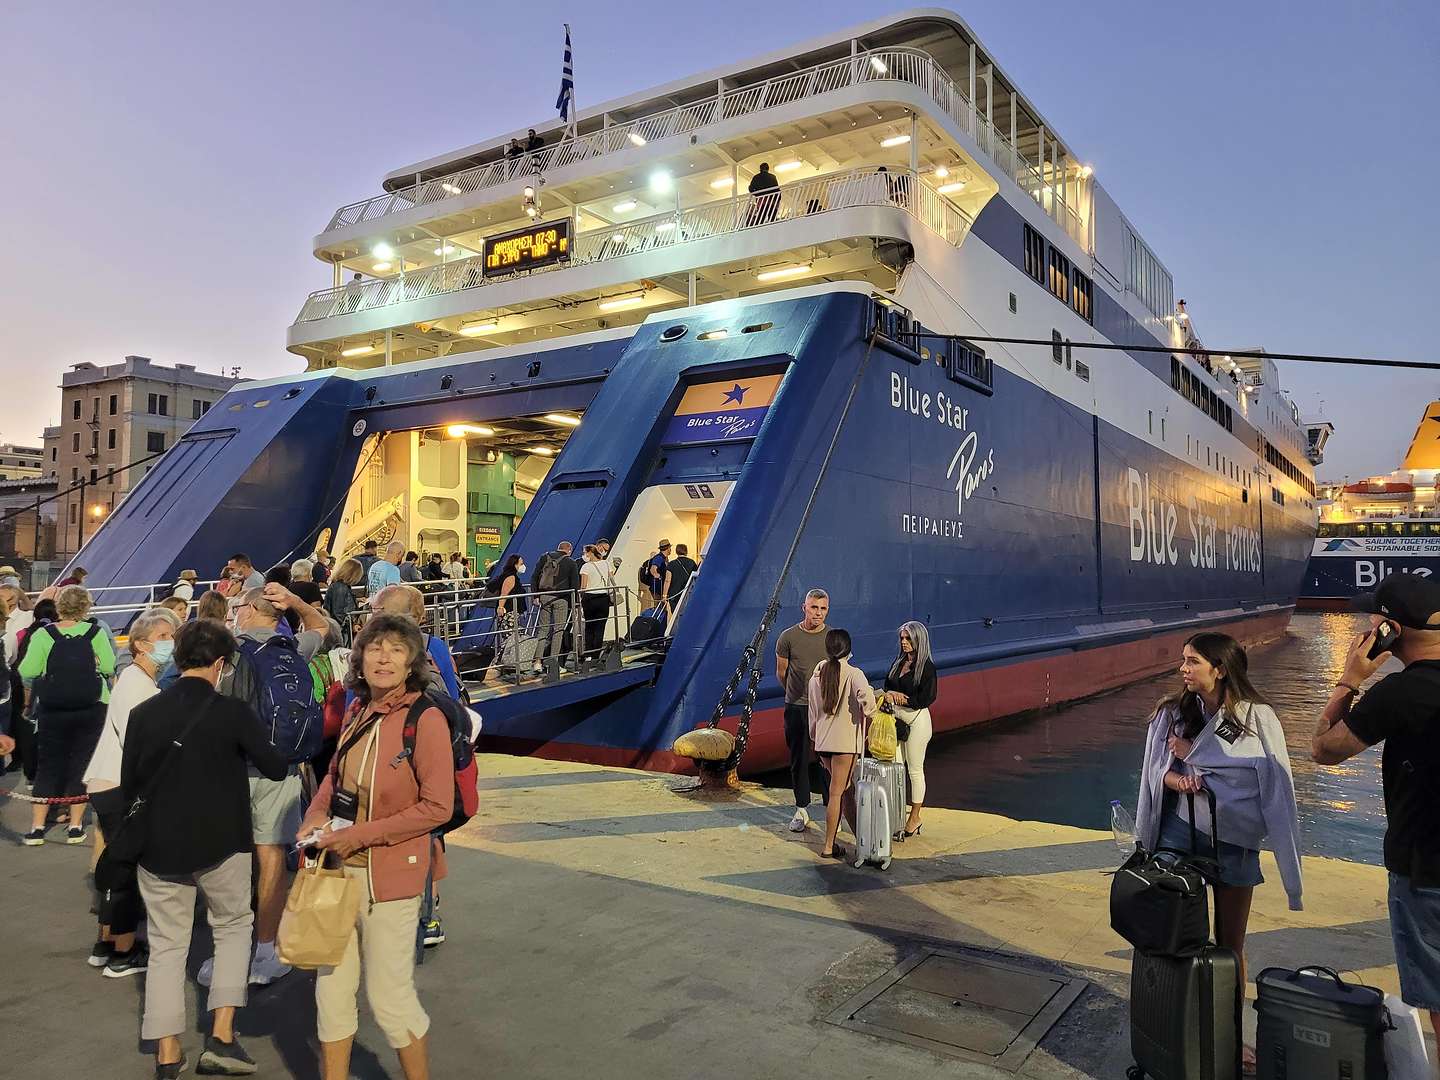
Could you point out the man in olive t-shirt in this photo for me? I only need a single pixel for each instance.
(798, 653)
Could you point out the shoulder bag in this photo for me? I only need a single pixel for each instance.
(1158, 900)
(128, 843)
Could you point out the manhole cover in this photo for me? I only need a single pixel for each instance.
(961, 1005)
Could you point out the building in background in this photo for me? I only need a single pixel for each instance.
(50, 439)
(114, 421)
(28, 529)
(21, 462)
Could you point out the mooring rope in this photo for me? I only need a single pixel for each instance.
(752, 655)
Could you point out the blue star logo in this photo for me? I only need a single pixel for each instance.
(736, 394)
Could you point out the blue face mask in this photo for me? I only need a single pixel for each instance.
(161, 652)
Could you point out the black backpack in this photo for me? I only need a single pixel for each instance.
(72, 678)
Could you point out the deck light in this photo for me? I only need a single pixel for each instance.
(380, 267)
(661, 181)
(713, 335)
(476, 329)
(784, 272)
(665, 226)
(789, 166)
(722, 182)
(624, 206)
(543, 451)
(449, 188)
(941, 172)
(620, 303)
(636, 138)
(459, 431)
(895, 140)
(445, 249)
(383, 251)
(878, 65)
(357, 350)
(946, 189)
(1086, 172)
(563, 418)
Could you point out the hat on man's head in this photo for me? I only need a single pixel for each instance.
(8, 571)
(189, 575)
(664, 544)
(1411, 600)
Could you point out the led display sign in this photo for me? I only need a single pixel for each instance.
(526, 249)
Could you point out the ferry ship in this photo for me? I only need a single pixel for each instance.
(606, 332)
(1379, 526)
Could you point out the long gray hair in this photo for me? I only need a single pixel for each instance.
(920, 638)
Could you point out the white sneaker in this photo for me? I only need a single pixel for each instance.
(265, 966)
(800, 820)
(206, 972)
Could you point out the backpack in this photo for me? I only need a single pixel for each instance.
(548, 572)
(285, 696)
(72, 679)
(462, 750)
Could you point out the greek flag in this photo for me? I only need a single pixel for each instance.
(566, 101)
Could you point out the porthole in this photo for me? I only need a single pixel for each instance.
(755, 328)
(293, 392)
(261, 403)
(674, 333)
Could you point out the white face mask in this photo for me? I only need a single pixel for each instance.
(520, 569)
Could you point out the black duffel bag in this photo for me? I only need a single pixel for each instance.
(1158, 900)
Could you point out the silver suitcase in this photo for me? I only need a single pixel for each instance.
(872, 823)
(891, 776)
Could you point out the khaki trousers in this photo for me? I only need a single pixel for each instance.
(384, 945)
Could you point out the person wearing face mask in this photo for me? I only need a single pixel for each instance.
(152, 644)
(188, 750)
(510, 590)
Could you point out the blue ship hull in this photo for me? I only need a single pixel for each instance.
(1052, 554)
(1341, 567)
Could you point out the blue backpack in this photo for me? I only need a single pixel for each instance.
(285, 697)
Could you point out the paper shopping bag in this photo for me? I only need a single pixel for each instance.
(320, 915)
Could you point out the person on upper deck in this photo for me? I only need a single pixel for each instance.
(765, 186)
(912, 687)
(1217, 733)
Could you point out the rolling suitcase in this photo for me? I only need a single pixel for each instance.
(1185, 1010)
(1311, 1023)
(873, 816)
(891, 776)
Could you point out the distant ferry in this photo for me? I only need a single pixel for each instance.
(1380, 526)
(649, 327)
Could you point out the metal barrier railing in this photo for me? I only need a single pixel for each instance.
(900, 188)
(911, 66)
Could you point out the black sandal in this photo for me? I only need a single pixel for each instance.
(906, 832)
(837, 853)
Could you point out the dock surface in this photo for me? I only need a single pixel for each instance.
(602, 924)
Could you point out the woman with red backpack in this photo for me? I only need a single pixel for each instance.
(379, 820)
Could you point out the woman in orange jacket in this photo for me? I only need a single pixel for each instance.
(377, 809)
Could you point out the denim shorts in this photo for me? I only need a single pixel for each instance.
(1415, 928)
(1239, 866)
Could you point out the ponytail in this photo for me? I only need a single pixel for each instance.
(837, 647)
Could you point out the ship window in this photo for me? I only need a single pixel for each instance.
(1081, 296)
(1057, 347)
(1059, 276)
(1151, 416)
(1361, 529)
(755, 328)
(1034, 256)
(1432, 528)
(1381, 529)
(1415, 528)
(1082, 370)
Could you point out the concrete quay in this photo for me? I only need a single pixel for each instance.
(603, 924)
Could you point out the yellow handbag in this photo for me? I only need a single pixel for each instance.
(883, 741)
(320, 915)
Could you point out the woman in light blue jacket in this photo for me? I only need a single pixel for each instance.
(1218, 733)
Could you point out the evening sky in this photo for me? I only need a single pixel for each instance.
(166, 165)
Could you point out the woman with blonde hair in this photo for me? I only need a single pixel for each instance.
(840, 704)
(340, 600)
(911, 687)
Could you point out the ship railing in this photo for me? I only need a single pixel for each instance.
(912, 67)
(900, 188)
(154, 592)
(506, 647)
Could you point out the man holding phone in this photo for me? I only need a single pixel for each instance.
(1403, 711)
